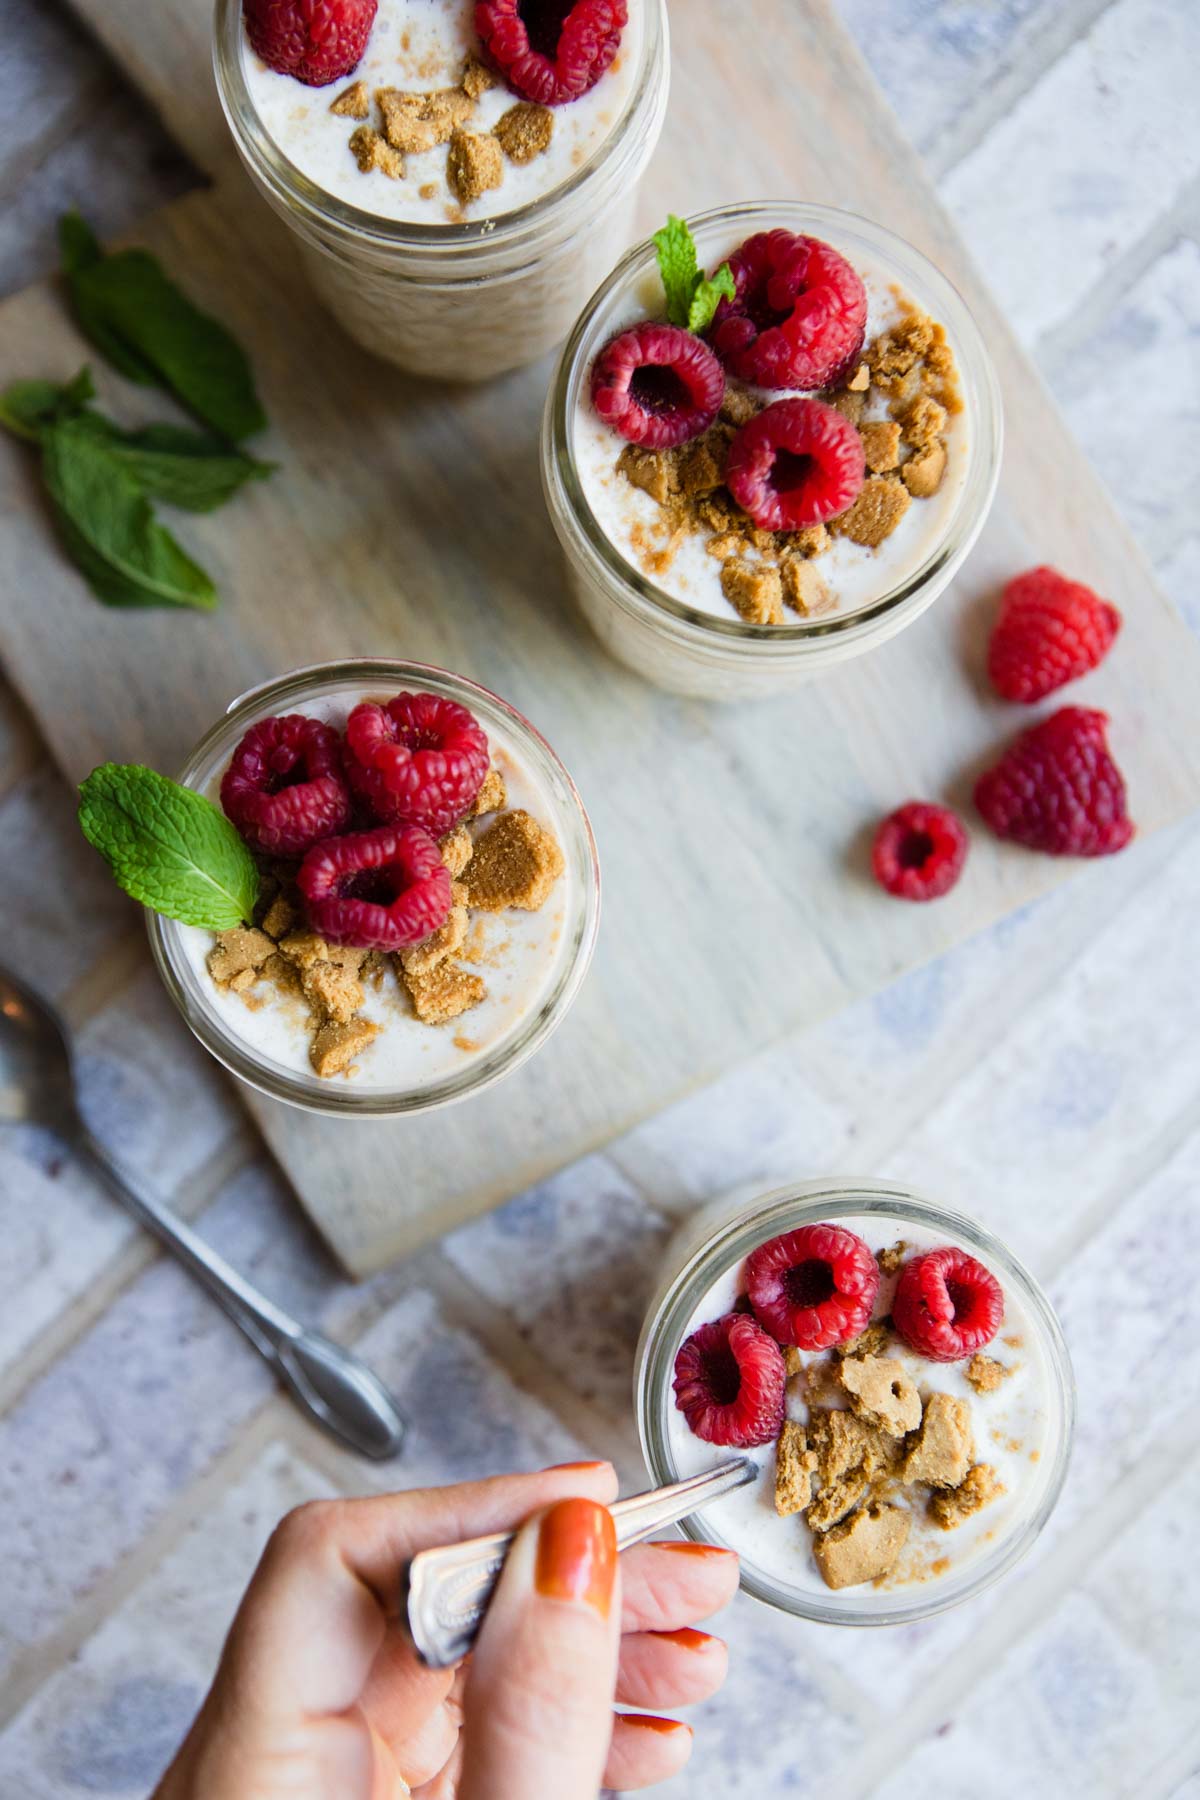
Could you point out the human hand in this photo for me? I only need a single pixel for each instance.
(320, 1696)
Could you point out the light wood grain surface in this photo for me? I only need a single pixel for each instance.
(407, 520)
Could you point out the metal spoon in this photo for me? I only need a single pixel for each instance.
(37, 1087)
(444, 1593)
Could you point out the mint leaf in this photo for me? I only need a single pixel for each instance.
(148, 328)
(28, 406)
(675, 248)
(109, 528)
(168, 847)
(691, 298)
(185, 468)
(80, 251)
(708, 297)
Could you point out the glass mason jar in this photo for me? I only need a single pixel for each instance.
(458, 302)
(712, 1245)
(179, 949)
(690, 651)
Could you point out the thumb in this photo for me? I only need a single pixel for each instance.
(540, 1694)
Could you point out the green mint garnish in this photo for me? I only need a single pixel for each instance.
(109, 528)
(149, 330)
(168, 847)
(28, 407)
(189, 469)
(692, 299)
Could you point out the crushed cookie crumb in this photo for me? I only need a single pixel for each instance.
(336, 1045)
(871, 1341)
(447, 941)
(922, 421)
(941, 1454)
(372, 152)
(881, 504)
(979, 1487)
(650, 470)
(922, 474)
(898, 351)
(794, 1463)
(477, 78)
(891, 1257)
(803, 589)
(881, 444)
(850, 403)
(701, 465)
(860, 381)
(516, 863)
(279, 918)
(245, 948)
(524, 131)
(443, 993)
(985, 1374)
(353, 102)
(754, 589)
(414, 123)
(333, 988)
(850, 1455)
(457, 848)
(428, 190)
(865, 1548)
(882, 1393)
(491, 796)
(474, 165)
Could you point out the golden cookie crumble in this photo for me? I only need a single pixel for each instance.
(908, 375)
(513, 862)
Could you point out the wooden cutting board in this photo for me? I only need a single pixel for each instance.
(407, 520)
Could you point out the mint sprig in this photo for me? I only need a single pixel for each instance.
(692, 298)
(109, 528)
(168, 847)
(148, 329)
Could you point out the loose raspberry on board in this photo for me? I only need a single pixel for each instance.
(919, 851)
(1057, 788)
(1049, 631)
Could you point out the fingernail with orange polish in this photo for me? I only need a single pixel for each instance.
(577, 1554)
(648, 1722)
(686, 1638)
(686, 1548)
(581, 1465)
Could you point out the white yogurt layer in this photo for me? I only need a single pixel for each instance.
(419, 46)
(854, 574)
(522, 954)
(1009, 1428)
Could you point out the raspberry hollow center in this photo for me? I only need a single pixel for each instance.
(790, 471)
(962, 1298)
(658, 389)
(543, 21)
(378, 887)
(809, 1283)
(916, 847)
(722, 1377)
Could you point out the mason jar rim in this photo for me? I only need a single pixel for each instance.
(469, 239)
(626, 586)
(712, 1244)
(310, 1092)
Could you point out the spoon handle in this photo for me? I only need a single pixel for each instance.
(331, 1384)
(445, 1591)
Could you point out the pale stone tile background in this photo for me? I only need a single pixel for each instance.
(1043, 1076)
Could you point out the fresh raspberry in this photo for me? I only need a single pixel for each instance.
(1049, 631)
(1057, 788)
(419, 760)
(729, 1382)
(317, 41)
(814, 1287)
(947, 1305)
(795, 463)
(657, 385)
(919, 851)
(550, 51)
(285, 787)
(798, 317)
(377, 890)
